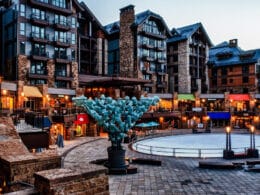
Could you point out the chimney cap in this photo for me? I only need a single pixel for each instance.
(127, 8)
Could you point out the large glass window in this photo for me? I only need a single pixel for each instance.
(59, 3)
(38, 32)
(37, 81)
(38, 14)
(60, 36)
(22, 10)
(38, 49)
(61, 70)
(73, 38)
(22, 28)
(22, 47)
(38, 67)
(73, 22)
(151, 27)
(60, 53)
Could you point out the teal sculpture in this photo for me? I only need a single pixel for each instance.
(116, 116)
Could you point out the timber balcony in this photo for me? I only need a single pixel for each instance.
(61, 25)
(48, 5)
(39, 38)
(38, 20)
(37, 55)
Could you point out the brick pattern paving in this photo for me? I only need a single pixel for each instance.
(175, 176)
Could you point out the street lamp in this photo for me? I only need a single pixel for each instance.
(252, 152)
(228, 153)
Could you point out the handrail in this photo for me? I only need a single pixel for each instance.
(181, 152)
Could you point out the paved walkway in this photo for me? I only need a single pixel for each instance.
(175, 176)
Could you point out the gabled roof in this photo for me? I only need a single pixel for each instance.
(225, 54)
(139, 20)
(183, 33)
(91, 15)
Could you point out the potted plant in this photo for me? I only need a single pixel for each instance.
(116, 116)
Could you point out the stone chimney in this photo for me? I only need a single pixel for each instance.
(126, 41)
(233, 43)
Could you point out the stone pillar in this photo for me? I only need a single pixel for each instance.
(23, 68)
(184, 68)
(126, 41)
(75, 75)
(51, 73)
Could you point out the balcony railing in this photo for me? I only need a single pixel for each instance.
(48, 5)
(36, 37)
(62, 25)
(37, 55)
(36, 19)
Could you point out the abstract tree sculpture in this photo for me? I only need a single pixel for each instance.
(116, 116)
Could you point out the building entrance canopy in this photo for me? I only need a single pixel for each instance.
(31, 91)
(186, 97)
(239, 97)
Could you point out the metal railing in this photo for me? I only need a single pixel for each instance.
(184, 152)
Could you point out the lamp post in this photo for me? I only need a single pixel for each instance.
(252, 152)
(228, 153)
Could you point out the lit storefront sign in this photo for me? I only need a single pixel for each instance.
(82, 119)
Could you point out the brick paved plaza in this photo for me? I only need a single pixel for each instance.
(175, 176)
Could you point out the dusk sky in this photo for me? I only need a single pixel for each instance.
(222, 19)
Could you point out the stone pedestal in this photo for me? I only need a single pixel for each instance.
(228, 154)
(252, 153)
(90, 180)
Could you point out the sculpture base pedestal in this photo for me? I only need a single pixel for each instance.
(228, 154)
(252, 153)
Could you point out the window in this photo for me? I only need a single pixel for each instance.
(224, 81)
(60, 53)
(245, 69)
(38, 14)
(230, 69)
(230, 80)
(223, 71)
(22, 28)
(61, 84)
(73, 22)
(62, 20)
(38, 67)
(37, 81)
(59, 3)
(245, 79)
(73, 54)
(38, 32)
(38, 49)
(22, 47)
(61, 70)
(22, 10)
(73, 38)
(90, 29)
(60, 36)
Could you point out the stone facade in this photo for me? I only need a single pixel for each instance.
(126, 42)
(23, 68)
(51, 72)
(183, 67)
(75, 75)
(66, 181)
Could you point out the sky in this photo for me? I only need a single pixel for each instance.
(222, 19)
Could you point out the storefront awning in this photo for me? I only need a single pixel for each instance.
(219, 115)
(186, 97)
(239, 97)
(31, 91)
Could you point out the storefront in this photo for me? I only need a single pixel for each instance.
(219, 119)
(81, 124)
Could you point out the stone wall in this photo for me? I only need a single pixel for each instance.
(126, 42)
(66, 181)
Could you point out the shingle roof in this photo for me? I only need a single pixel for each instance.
(185, 32)
(224, 54)
(139, 19)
